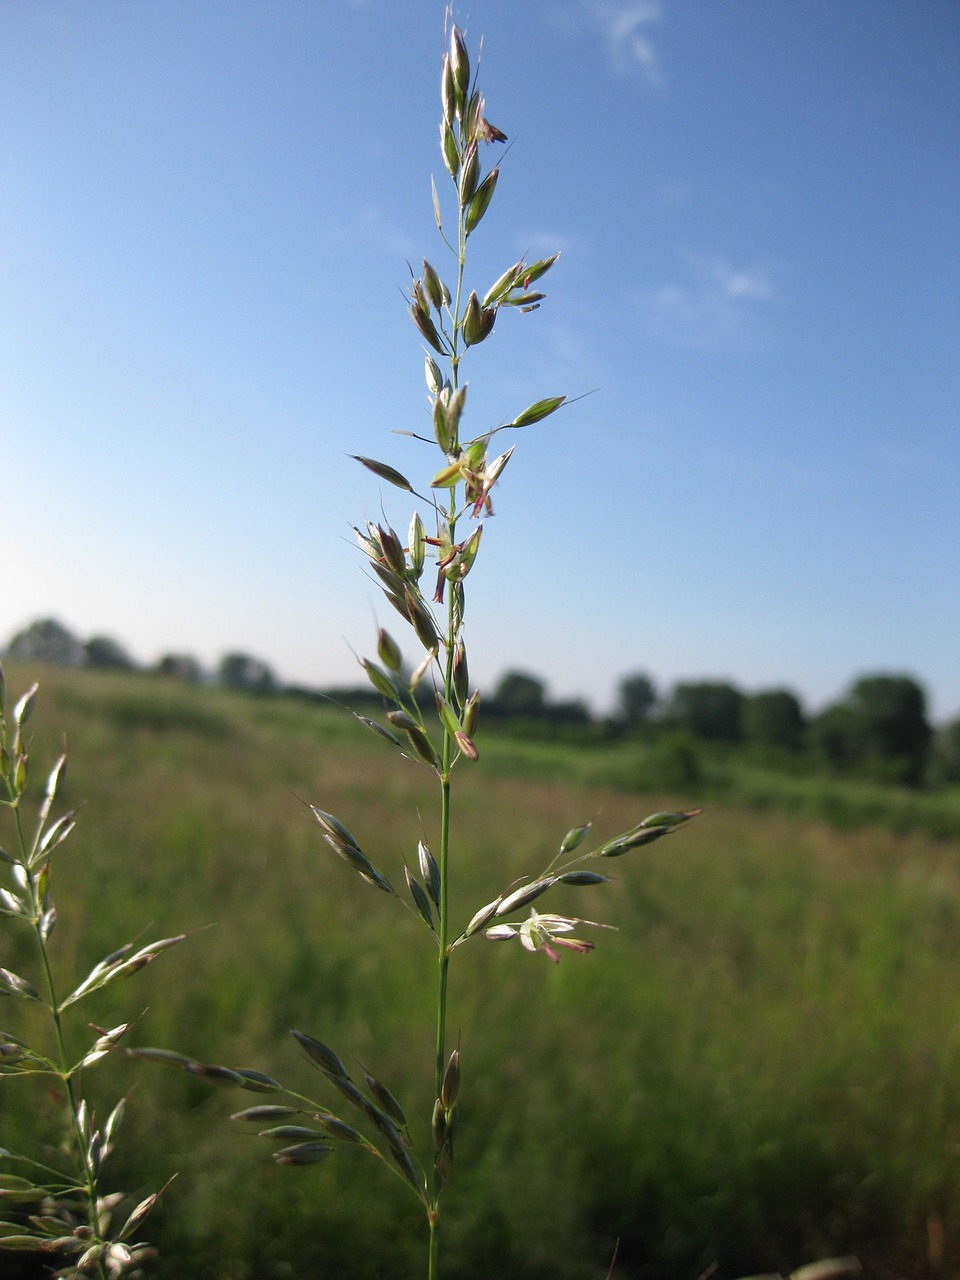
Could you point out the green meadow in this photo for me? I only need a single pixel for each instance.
(760, 1067)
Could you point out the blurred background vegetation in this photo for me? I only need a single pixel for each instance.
(759, 1068)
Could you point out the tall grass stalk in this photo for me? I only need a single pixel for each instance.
(431, 713)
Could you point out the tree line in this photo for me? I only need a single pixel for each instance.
(879, 729)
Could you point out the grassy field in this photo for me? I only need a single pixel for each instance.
(761, 1067)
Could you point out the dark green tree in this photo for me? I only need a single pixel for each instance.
(636, 699)
(241, 671)
(893, 732)
(773, 718)
(180, 666)
(833, 737)
(520, 694)
(104, 653)
(712, 711)
(49, 641)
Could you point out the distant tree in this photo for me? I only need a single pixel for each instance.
(241, 671)
(180, 666)
(893, 732)
(833, 737)
(47, 641)
(636, 698)
(104, 653)
(880, 729)
(572, 711)
(519, 694)
(711, 711)
(773, 718)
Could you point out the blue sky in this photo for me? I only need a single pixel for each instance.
(207, 209)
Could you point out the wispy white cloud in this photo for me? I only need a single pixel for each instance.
(625, 26)
(712, 302)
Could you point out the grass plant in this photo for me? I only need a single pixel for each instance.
(423, 578)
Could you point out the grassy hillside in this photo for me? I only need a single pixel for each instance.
(761, 1067)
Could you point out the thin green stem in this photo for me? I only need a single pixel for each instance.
(449, 747)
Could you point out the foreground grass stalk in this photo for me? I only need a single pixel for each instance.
(67, 1217)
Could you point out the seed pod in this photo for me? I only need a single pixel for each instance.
(303, 1153)
(293, 1132)
(432, 285)
(448, 91)
(459, 62)
(472, 114)
(448, 717)
(386, 1099)
(477, 322)
(384, 683)
(448, 477)
(537, 269)
(469, 175)
(392, 551)
(454, 410)
(670, 819)
(257, 1082)
(389, 651)
(416, 538)
(319, 1052)
(471, 714)
(419, 898)
(631, 840)
(582, 878)
(451, 1081)
(427, 328)
(431, 371)
(574, 838)
(269, 1111)
(421, 670)
(441, 432)
(466, 745)
(500, 288)
(337, 1128)
(481, 201)
(450, 151)
(390, 474)
(430, 871)
(493, 470)
(423, 747)
(465, 557)
(520, 897)
(438, 1125)
(525, 301)
(538, 410)
(24, 708)
(483, 916)
(402, 719)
